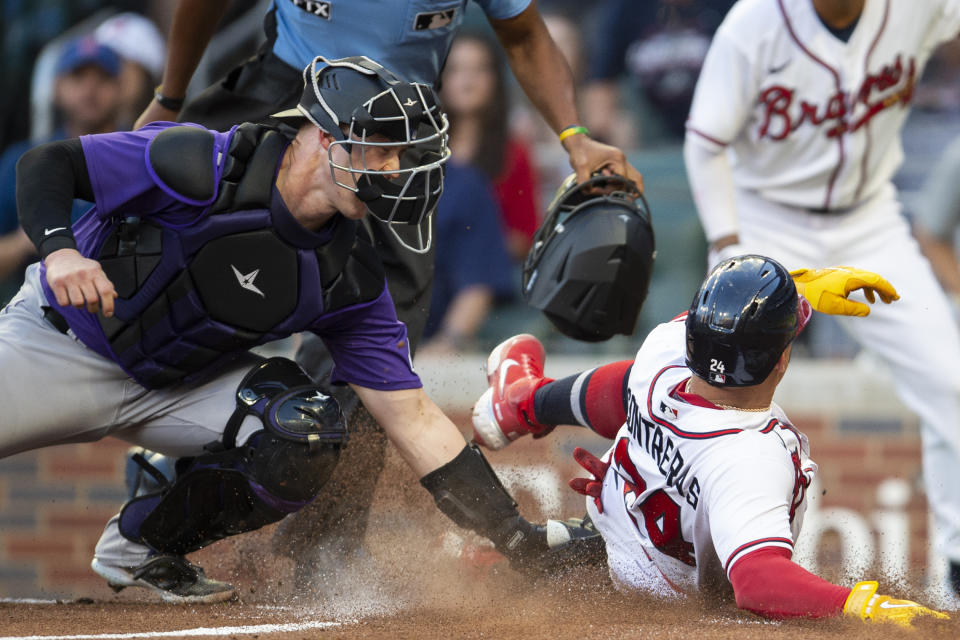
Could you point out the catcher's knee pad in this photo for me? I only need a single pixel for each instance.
(234, 489)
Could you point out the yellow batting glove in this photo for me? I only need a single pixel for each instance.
(864, 603)
(827, 289)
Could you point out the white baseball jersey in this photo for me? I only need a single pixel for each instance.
(691, 489)
(813, 121)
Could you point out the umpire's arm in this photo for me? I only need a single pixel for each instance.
(546, 78)
(194, 23)
(425, 437)
(49, 177)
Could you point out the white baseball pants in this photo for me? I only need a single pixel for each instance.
(917, 335)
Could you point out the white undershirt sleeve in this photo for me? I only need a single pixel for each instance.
(711, 180)
(722, 102)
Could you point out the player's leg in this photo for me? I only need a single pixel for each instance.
(55, 389)
(520, 400)
(255, 444)
(918, 337)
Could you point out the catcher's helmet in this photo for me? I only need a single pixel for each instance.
(742, 319)
(355, 98)
(590, 264)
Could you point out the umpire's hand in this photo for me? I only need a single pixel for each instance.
(589, 156)
(79, 281)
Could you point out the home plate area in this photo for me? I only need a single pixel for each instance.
(417, 576)
(424, 592)
(563, 610)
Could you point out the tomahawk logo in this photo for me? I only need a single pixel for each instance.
(246, 280)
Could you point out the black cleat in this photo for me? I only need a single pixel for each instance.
(173, 577)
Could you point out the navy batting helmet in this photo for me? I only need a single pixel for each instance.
(742, 319)
(590, 264)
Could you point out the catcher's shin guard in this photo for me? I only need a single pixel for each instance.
(467, 491)
(233, 489)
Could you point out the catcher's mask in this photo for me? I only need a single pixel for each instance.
(590, 265)
(363, 105)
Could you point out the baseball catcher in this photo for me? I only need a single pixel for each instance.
(203, 244)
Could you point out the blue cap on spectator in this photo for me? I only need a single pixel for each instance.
(85, 51)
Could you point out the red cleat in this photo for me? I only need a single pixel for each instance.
(505, 411)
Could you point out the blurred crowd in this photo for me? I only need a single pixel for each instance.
(90, 66)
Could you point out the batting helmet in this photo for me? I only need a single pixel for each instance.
(590, 264)
(742, 319)
(354, 99)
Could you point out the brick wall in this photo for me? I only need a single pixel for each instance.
(53, 505)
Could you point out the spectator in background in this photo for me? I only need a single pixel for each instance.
(87, 97)
(487, 213)
(25, 29)
(660, 45)
(472, 267)
(141, 46)
(474, 94)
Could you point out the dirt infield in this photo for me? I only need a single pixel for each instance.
(414, 578)
(561, 610)
(430, 593)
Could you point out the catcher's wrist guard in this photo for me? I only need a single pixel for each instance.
(467, 491)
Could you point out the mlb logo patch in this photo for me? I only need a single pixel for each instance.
(669, 411)
(433, 19)
(717, 371)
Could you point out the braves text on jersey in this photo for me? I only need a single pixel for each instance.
(813, 121)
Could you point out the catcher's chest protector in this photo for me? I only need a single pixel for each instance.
(234, 278)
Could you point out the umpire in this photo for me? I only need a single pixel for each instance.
(201, 245)
(411, 37)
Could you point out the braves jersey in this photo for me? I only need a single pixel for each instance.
(692, 488)
(198, 285)
(813, 121)
(409, 37)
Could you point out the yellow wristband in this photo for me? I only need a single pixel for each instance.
(573, 130)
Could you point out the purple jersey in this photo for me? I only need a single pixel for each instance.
(197, 301)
